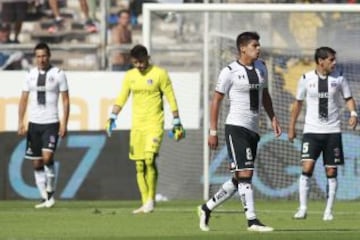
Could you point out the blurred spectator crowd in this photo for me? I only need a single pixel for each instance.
(77, 22)
(71, 23)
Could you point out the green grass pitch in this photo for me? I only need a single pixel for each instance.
(110, 220)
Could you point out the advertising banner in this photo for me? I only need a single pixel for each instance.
(92, 96)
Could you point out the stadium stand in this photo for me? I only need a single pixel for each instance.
(77, 49)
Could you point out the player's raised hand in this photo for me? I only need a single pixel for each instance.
(110, 124)
(177, 132)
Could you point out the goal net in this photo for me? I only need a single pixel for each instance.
(201, 38)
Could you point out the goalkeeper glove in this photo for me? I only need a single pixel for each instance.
(177, 132)
(110, 124)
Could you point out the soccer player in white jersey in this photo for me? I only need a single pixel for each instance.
(245, 82)
(323, 89)
(42, 87)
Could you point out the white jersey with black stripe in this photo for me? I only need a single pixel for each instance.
(55, 83)
(233, 81)
(338, 90)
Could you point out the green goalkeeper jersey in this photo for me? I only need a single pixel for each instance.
(147, 90)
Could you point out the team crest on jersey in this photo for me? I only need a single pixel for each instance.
(312, 85)
(241, 76)
(51, 79)
(333, 84)
(149, 81)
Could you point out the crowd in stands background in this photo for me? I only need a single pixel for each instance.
(126, 19)
(9, 59)
(89, 24)
(120, 35)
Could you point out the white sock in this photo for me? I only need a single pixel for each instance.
(331, 193)
(304, 187)
(50, 178)
(226, 191)
(40, 180)
(247, 199)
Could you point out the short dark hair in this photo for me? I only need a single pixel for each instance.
(323, 53)
(138, 51)
(245, 37)
(44, 46)
(122, 11)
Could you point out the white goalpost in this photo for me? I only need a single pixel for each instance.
(289, 34)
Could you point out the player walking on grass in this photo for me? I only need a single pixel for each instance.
(322, 89)
(148, 84)
(245, 82)
(42, 87)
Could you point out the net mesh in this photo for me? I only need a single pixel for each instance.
(288, 41)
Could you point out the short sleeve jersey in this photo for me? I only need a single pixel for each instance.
(147, 91)
(55, 83)
(308, 89)
(234, 82)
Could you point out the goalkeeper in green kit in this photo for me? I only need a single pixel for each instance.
(148, 84)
